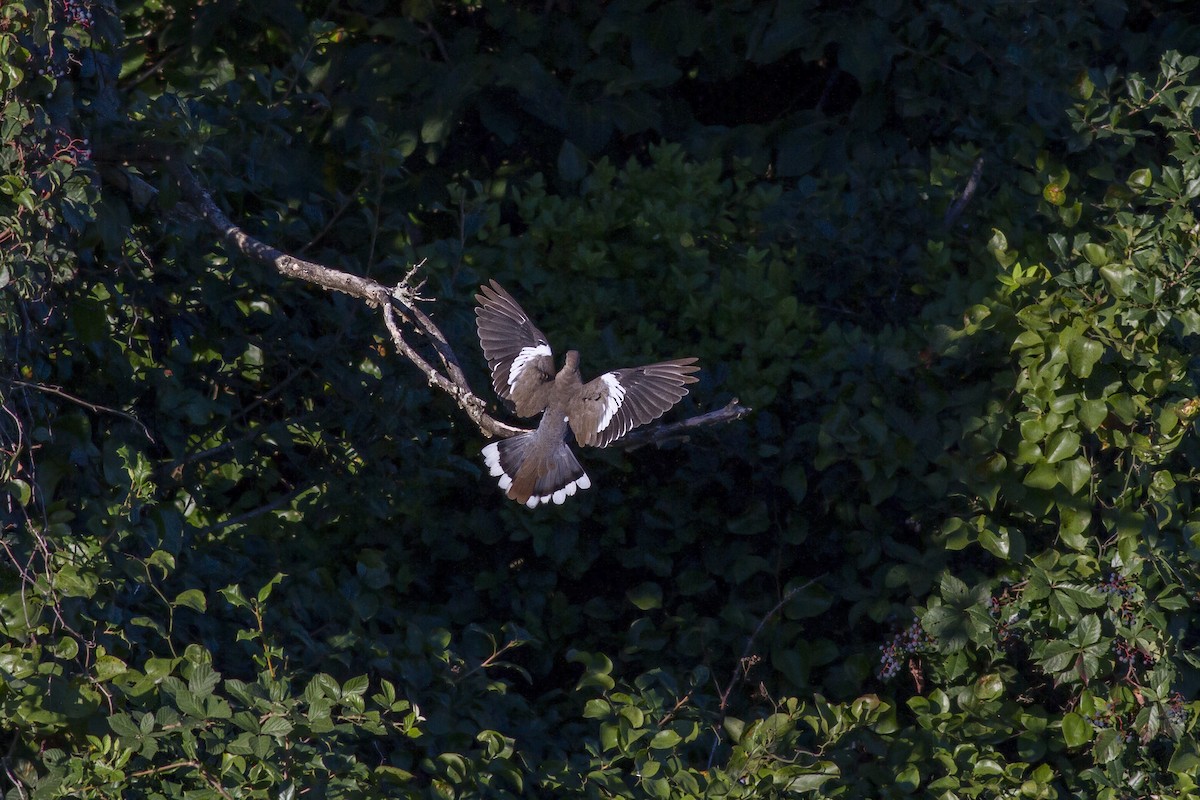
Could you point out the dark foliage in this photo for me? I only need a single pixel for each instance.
(947, 252)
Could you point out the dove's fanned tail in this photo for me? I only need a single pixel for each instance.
(532, 478)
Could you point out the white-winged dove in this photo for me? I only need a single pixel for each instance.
(539, 467)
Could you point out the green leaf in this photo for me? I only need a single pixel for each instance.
(1064, 605)
(646, 596)
(276, 726)
(954, 590)
(597, 708)
(812, 780)
(233, 595)
(203, 680)
(1140, 180)
(20, 490)
(1186, 759)
(1095, 254)
(995, 542)
(734, 728)
(1070, 214)
(1082, 355)
(1057, 657)
(597, 670)
(1077, 731)
(108, 667)
(1092, 413)
(1121, 280)
(122, 725)
(908, 779)
(636, 717)
(1075, 474)
(66, 647)
(269, 586)
(193, 599)
(989, 686)
(948, 626)
(665, 739)
(1109, 746)
(1074, 520)
(1062, 445)
(1043, 476)
(434, 128)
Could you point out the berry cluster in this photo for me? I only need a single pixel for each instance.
(1177, 715)
(72, 150)
(1005, 636)
(52, 70)
(1131, 655)
(910, 641)
(1118, 586)
(1102, 717)
(1107, 717)
(78, 12)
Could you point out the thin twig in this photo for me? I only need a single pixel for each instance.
(196, 765)
(739, 670)
(57, 392)
(265, 508)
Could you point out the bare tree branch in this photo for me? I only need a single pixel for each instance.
(669, 431)
(450, 378)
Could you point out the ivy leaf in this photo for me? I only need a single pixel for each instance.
(1043, 476)
(1083, 354)
(995, 542)
(1062, 445)
(1092, 413)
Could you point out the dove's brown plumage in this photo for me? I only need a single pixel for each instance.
(539, 467)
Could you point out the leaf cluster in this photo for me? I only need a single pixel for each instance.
(948, 254)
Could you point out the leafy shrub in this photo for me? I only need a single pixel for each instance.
(947, 255)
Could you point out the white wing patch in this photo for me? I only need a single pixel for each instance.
(523, 359)
(616, 396)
